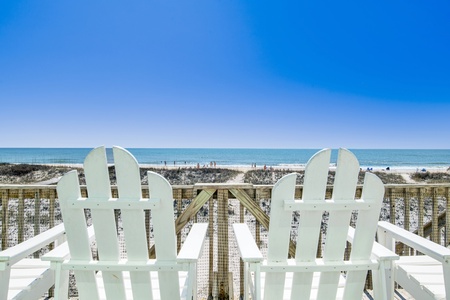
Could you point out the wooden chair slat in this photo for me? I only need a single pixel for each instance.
(315, 184)
(133, 221)
(99, 187)
(77, 235)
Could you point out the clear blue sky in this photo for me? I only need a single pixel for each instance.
(225, 73)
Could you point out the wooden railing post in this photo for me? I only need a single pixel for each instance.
(37, 212)
(5, 218)
(222, 240)
(211, 246)
(51, 212)
(435, 236)
(37, 215)
(241, 263)
(177, 194)
(421, 213)
(447, 217)
(20, 217)
(194, 195)
(406, 211)
(391, 206)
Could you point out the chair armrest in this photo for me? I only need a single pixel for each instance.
(415, 241)
(22, 250)
(379, 252)
(61, 253)
(193, 245)
(246, 244)
(58, 254)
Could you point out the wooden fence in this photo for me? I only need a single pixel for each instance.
(27, 210)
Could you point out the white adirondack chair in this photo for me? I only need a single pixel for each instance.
(22, 277)
(307, 277)
(137, 277)
(424, 276)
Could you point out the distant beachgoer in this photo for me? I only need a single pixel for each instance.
(165, 163)
(265, 168)
(215, 164)
(174, 163)
(198, 166)
(388, 168)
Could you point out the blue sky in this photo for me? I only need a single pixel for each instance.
(225, 73)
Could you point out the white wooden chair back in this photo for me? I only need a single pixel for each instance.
(131, 204)
(311, 208)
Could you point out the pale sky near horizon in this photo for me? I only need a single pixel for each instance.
(225, 74)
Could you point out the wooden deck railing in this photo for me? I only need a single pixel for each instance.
(27, 210)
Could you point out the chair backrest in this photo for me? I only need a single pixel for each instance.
(312, 207)
(131, 205)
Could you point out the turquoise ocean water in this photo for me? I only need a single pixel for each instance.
(232, 157)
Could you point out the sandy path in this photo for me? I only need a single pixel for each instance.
(407, 178)
(238, 179)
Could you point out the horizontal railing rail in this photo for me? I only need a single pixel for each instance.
(27, 210)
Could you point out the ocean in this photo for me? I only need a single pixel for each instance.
(382, 158)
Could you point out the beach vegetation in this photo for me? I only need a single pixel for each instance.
(190, 176)
(49, 174)
(260, 176)
(431, 177)
(20, 169)
(272, 176)
(29, 173)
(181, 176)
(389, 178)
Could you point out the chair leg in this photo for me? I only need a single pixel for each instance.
(192, 282)
(4, 282)
(61, 283)
(383, 281)
(446, 272)
(257, 283)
